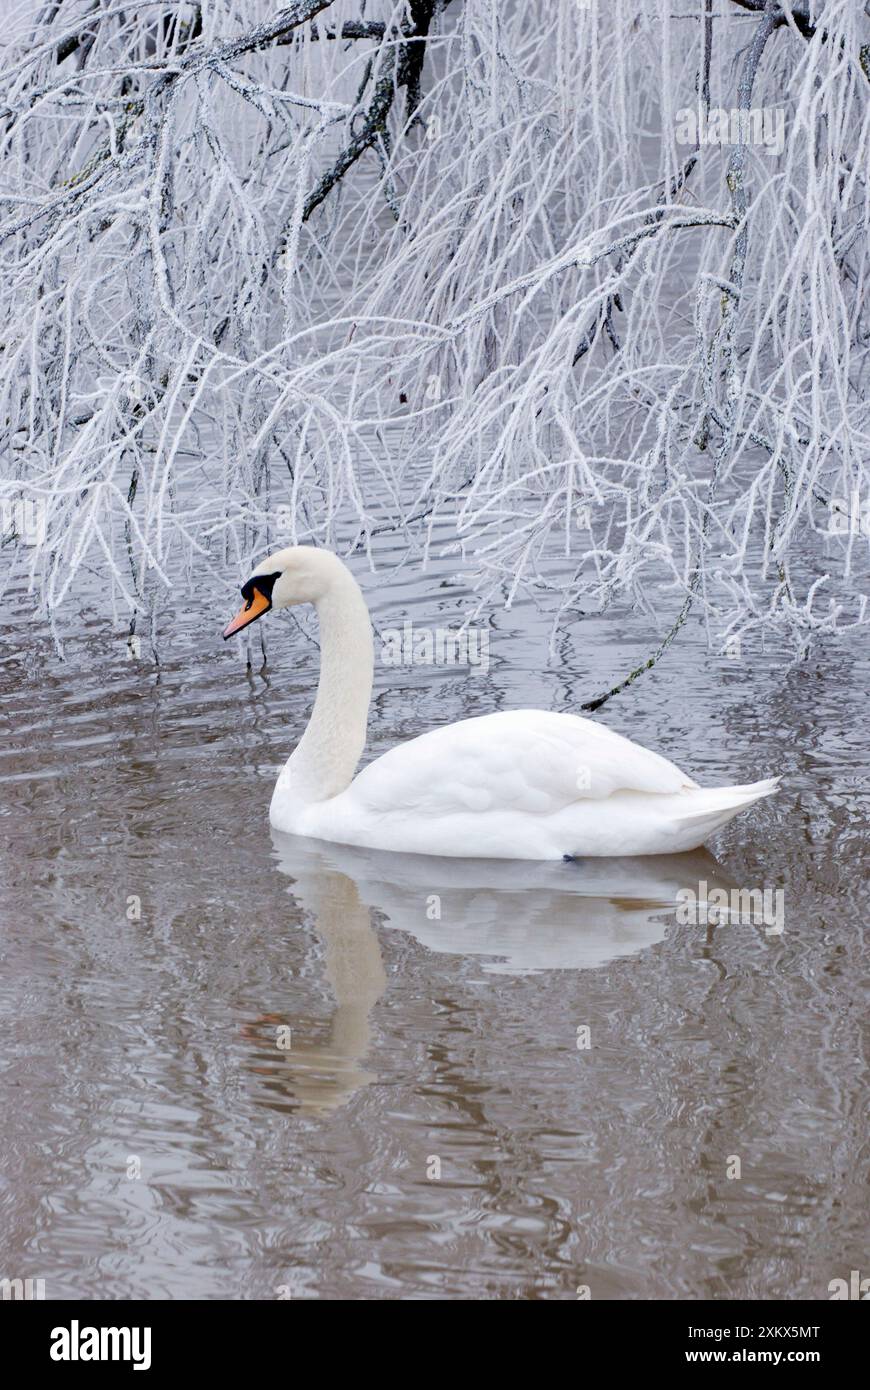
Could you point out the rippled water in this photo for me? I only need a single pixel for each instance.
(158, 941)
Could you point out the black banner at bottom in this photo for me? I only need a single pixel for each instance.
(171, 1337)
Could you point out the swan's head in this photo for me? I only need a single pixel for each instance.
(299, 574)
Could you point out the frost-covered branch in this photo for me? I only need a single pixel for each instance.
(578, 290)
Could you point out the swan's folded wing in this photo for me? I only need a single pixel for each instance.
(522, 760)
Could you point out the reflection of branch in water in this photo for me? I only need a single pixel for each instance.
(315, 1077)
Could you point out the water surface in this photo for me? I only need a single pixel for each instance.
(161, 948)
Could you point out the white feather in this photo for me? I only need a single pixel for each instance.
(523, 784)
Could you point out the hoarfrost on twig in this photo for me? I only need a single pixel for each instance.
(443, 269)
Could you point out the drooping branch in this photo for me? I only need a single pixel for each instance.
(394, 68)
(736, 182)
(205, 350)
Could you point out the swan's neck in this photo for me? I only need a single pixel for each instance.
(328, 752)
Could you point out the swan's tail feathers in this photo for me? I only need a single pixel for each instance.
(712, 807)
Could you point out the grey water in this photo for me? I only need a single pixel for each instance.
(235, 1065)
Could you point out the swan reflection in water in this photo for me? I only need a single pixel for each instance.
(519, 917)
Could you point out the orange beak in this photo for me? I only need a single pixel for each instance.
(253, 609)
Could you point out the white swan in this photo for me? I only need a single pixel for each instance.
(524, 784)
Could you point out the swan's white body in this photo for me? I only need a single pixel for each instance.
(518, 785)
(524, 784)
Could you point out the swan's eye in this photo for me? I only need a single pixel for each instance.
(259, 584)
(257, 593)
